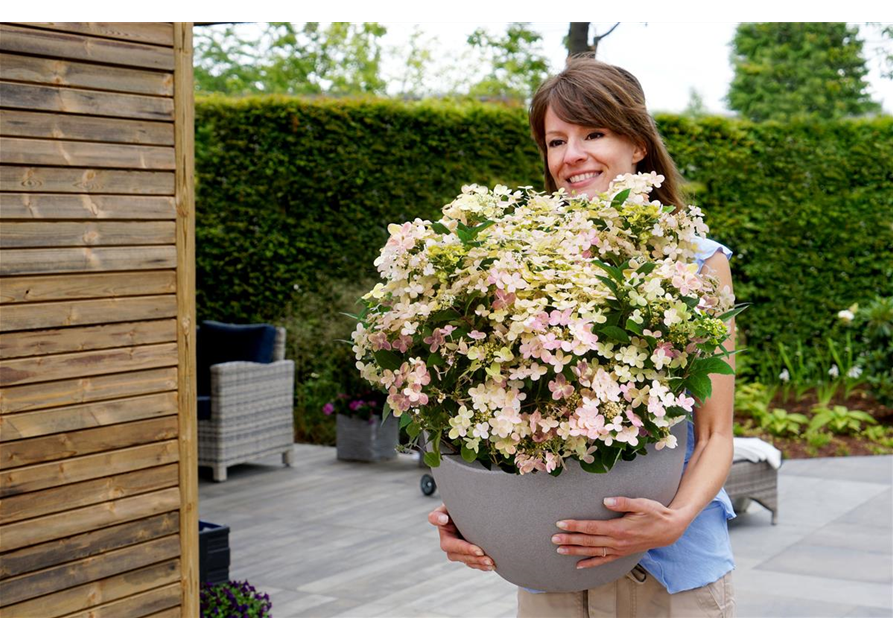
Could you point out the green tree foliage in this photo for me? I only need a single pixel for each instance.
(788, 69)
(343, 58)
(516, 62)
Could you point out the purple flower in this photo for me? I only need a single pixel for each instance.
(328, 409)
(356, 404)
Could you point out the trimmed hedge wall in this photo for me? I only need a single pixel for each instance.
(294, 193)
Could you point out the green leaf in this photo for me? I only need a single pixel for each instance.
(610, 284)
(432, 459)
(620, 198)
(593, 467)
(440, 228)
(444, 316)
(713, 364)
(699, 384)
(413, 429)
(615, 273)
(614, 334)
(731, 313)
(385, 412)
(436, 359)
(634, 327)
(387, 359)
(468, 454)
(476, 230)
(405, 419)
(646, 268)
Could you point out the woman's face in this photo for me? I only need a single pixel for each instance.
(584, 160)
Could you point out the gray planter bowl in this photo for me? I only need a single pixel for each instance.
(512, 518)
(364, 441)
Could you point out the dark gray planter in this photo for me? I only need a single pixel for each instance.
(213, 553)
(365, 441)
(512, 518)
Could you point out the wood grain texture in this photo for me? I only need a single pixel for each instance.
(73, 260)
(88, 544)
(46, 395)
(79, 286)
(18, 178)
(65, 498)
(89, 233)
(78, 47)
(175, 612)
(40, 583)
(85, 154)
(33, 206)
(105, 336)
(95, 593)
(160, 33)
(37, 97)
(19, 453)
(136, 606)
(31, 424)
(59, 126)
(54, 474)
(19, 317)
(75, 521)
(184, 136)
(92, 363)
(82, 75)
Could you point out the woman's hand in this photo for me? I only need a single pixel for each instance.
(647, 524)
(457, 549)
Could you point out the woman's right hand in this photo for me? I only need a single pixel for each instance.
(456, 548)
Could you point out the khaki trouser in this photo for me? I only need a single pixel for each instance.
(636, 595)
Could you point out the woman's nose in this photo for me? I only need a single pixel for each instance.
(574, 153)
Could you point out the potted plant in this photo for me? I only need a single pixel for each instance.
(552, 338)
(213, 552)
(361, 434)
(233, 600)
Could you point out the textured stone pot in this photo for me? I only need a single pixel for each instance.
(512, 518)
(366, 441)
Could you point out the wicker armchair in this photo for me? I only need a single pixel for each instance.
(251, 412)
(757, 481)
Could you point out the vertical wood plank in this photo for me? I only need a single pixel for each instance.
(184, 116)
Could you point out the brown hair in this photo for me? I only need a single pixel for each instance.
(595, 94)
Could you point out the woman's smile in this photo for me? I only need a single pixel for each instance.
(585, 159)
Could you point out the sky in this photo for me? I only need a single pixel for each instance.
(670, 59)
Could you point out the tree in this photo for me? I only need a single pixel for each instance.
(695, 107)
(342, 58)
(786, 69)
(578, 39)
(516, 62)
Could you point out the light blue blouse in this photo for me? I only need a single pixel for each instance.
(704, 553)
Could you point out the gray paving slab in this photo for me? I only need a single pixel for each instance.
(333, 539)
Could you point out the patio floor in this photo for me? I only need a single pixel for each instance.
(336, 539)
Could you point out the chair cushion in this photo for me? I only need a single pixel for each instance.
(219, 342)
(204, 407)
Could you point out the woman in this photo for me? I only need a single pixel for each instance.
(591, 125)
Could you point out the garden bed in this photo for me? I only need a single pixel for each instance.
(840, 444)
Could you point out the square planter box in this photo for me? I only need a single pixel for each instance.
(366, 441)
(213, 553)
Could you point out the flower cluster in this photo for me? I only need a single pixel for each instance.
(526, 328)
(363, 406)
(233, 600)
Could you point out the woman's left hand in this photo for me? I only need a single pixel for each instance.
(647, 524)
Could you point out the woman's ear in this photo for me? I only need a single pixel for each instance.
(639, 154)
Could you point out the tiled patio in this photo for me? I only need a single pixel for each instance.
(337, 539)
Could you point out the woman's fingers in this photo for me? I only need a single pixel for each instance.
(439, 516)
(474, 562)
(582, 540)
(457, 549)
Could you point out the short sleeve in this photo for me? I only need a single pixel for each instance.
(706, 248)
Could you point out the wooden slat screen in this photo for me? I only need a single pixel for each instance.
(97, 485)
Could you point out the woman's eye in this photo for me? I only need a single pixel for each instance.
(595, 135)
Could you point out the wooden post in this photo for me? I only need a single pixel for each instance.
(184, 147)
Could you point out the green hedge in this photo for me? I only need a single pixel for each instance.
(295, 194)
